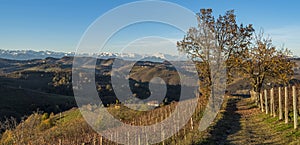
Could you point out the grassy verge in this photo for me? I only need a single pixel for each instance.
(286, 131)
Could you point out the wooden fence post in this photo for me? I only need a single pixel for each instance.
(272, 103)
(94, 140)
(266, 102)
(295, 108)
(192, 123)
(261, 102)
(139, 140)
(280, 103)
(286, 105)
(59, 141)
(100, 140)
(162, 134)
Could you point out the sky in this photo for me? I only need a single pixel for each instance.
(58, 25)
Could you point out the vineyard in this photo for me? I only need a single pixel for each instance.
(282, 102)
(70, 127)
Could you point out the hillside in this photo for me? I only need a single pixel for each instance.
(40, 80)
(44, 85)
(18, 102)
(70, 128)
(239, 122)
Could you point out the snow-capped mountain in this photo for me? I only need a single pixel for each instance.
(157, 57)
(30, 54)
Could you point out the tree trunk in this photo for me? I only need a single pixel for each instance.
(255, 97)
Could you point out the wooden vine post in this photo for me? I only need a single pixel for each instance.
(286, 105)
(272, 103)
(266, 102)
(101, 140)
(280, 103)
(261, 102)
(295, 108)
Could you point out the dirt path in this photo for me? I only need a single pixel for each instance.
(240, 124)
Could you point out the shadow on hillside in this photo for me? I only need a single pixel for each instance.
(20, 102)
(227, 125)
(241, 95)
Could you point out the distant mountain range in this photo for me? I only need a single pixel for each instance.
(31, 54)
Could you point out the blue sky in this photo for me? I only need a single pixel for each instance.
(59, 24)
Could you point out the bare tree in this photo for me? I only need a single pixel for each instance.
(221, 35)
(264, 64)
